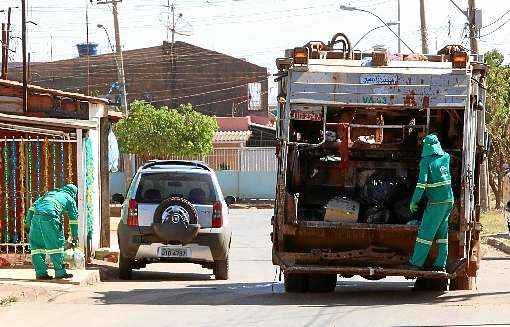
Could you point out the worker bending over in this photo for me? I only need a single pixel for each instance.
(46, 236)
(435, 182)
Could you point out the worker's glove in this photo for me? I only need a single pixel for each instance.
(74, 241)
(413, 207)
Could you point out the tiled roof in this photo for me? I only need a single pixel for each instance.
(234, 123)
(232, 136)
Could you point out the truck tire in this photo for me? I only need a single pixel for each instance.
(462, 283)
(295, 283)
(322, 283)
(125, 268)
(220, 269)
(428, 284)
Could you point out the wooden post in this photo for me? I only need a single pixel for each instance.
(104, 181)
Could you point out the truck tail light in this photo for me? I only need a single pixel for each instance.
(132, 216)
(459, 59)
(300, 56)
(217, 216)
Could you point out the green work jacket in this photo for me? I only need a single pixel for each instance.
(54, 204)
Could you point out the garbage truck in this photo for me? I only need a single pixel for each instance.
(349, 129)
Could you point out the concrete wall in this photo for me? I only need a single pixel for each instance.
(248, 185)
(243, 185)
(117, 183)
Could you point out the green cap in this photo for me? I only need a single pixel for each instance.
(70, 189)
(431, 146)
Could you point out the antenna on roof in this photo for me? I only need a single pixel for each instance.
(173, 20)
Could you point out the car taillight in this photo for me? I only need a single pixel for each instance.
(217, 216)
(132, 216)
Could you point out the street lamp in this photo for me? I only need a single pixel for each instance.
(107, 36)
(370, 31)
(349, 8)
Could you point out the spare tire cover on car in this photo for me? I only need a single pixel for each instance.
(176, 220)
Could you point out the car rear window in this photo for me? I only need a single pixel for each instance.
(155, 187)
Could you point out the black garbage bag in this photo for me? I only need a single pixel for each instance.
(311, 213)
(400, 213)
(383, 188)
(377, 215)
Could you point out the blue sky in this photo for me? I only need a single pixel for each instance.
(258, 30)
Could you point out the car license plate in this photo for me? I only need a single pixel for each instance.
(171, 252)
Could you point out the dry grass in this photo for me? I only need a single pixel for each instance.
(8, 300)
(493, 222)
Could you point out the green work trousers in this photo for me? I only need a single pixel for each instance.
(433, 226)
(47, 238)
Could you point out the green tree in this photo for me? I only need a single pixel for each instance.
(498, 121)
(151, 132)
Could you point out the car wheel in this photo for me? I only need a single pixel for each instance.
(220, 269)
(125, 268)
(322, 283)
(295, 283)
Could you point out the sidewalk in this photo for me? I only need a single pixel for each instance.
(27, 277)
(20, 285)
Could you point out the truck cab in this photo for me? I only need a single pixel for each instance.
(350, 126)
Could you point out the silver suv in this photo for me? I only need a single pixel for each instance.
(174, 211)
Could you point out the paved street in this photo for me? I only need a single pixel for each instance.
(186, 295)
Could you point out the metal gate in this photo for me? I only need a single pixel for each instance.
(30, 167)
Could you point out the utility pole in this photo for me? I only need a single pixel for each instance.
(8, 40)
(4, 50)
(88, 46)
(5, 44)
(118, 49)
(24, 49)
(399, 24)
(484, 169)
(473, 29)
(424, 36)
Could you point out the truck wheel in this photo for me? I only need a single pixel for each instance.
(427, 284)
(220, 269)
(462, 283)
(125, 268)
(295, 283)
(322, 283)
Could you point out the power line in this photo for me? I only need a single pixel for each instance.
(498, 19)
(498, 28)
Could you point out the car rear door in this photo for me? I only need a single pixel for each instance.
(196, 187)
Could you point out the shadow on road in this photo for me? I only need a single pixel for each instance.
(348, 293)
(110, 273)
(496, 258)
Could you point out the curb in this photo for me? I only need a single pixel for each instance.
(498, 245)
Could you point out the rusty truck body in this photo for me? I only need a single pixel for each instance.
(349, 130)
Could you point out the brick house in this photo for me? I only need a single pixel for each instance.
(214, 83)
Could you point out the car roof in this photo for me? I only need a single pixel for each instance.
(186, 166)
(176, 169)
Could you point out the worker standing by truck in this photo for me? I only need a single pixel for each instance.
(434, 181)
(44, 218)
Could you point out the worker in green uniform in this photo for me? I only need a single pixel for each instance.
(434, 182)
(46, 236)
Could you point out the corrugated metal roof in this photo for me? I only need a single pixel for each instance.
(232, 136)
(54, 92)
(66, 123)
